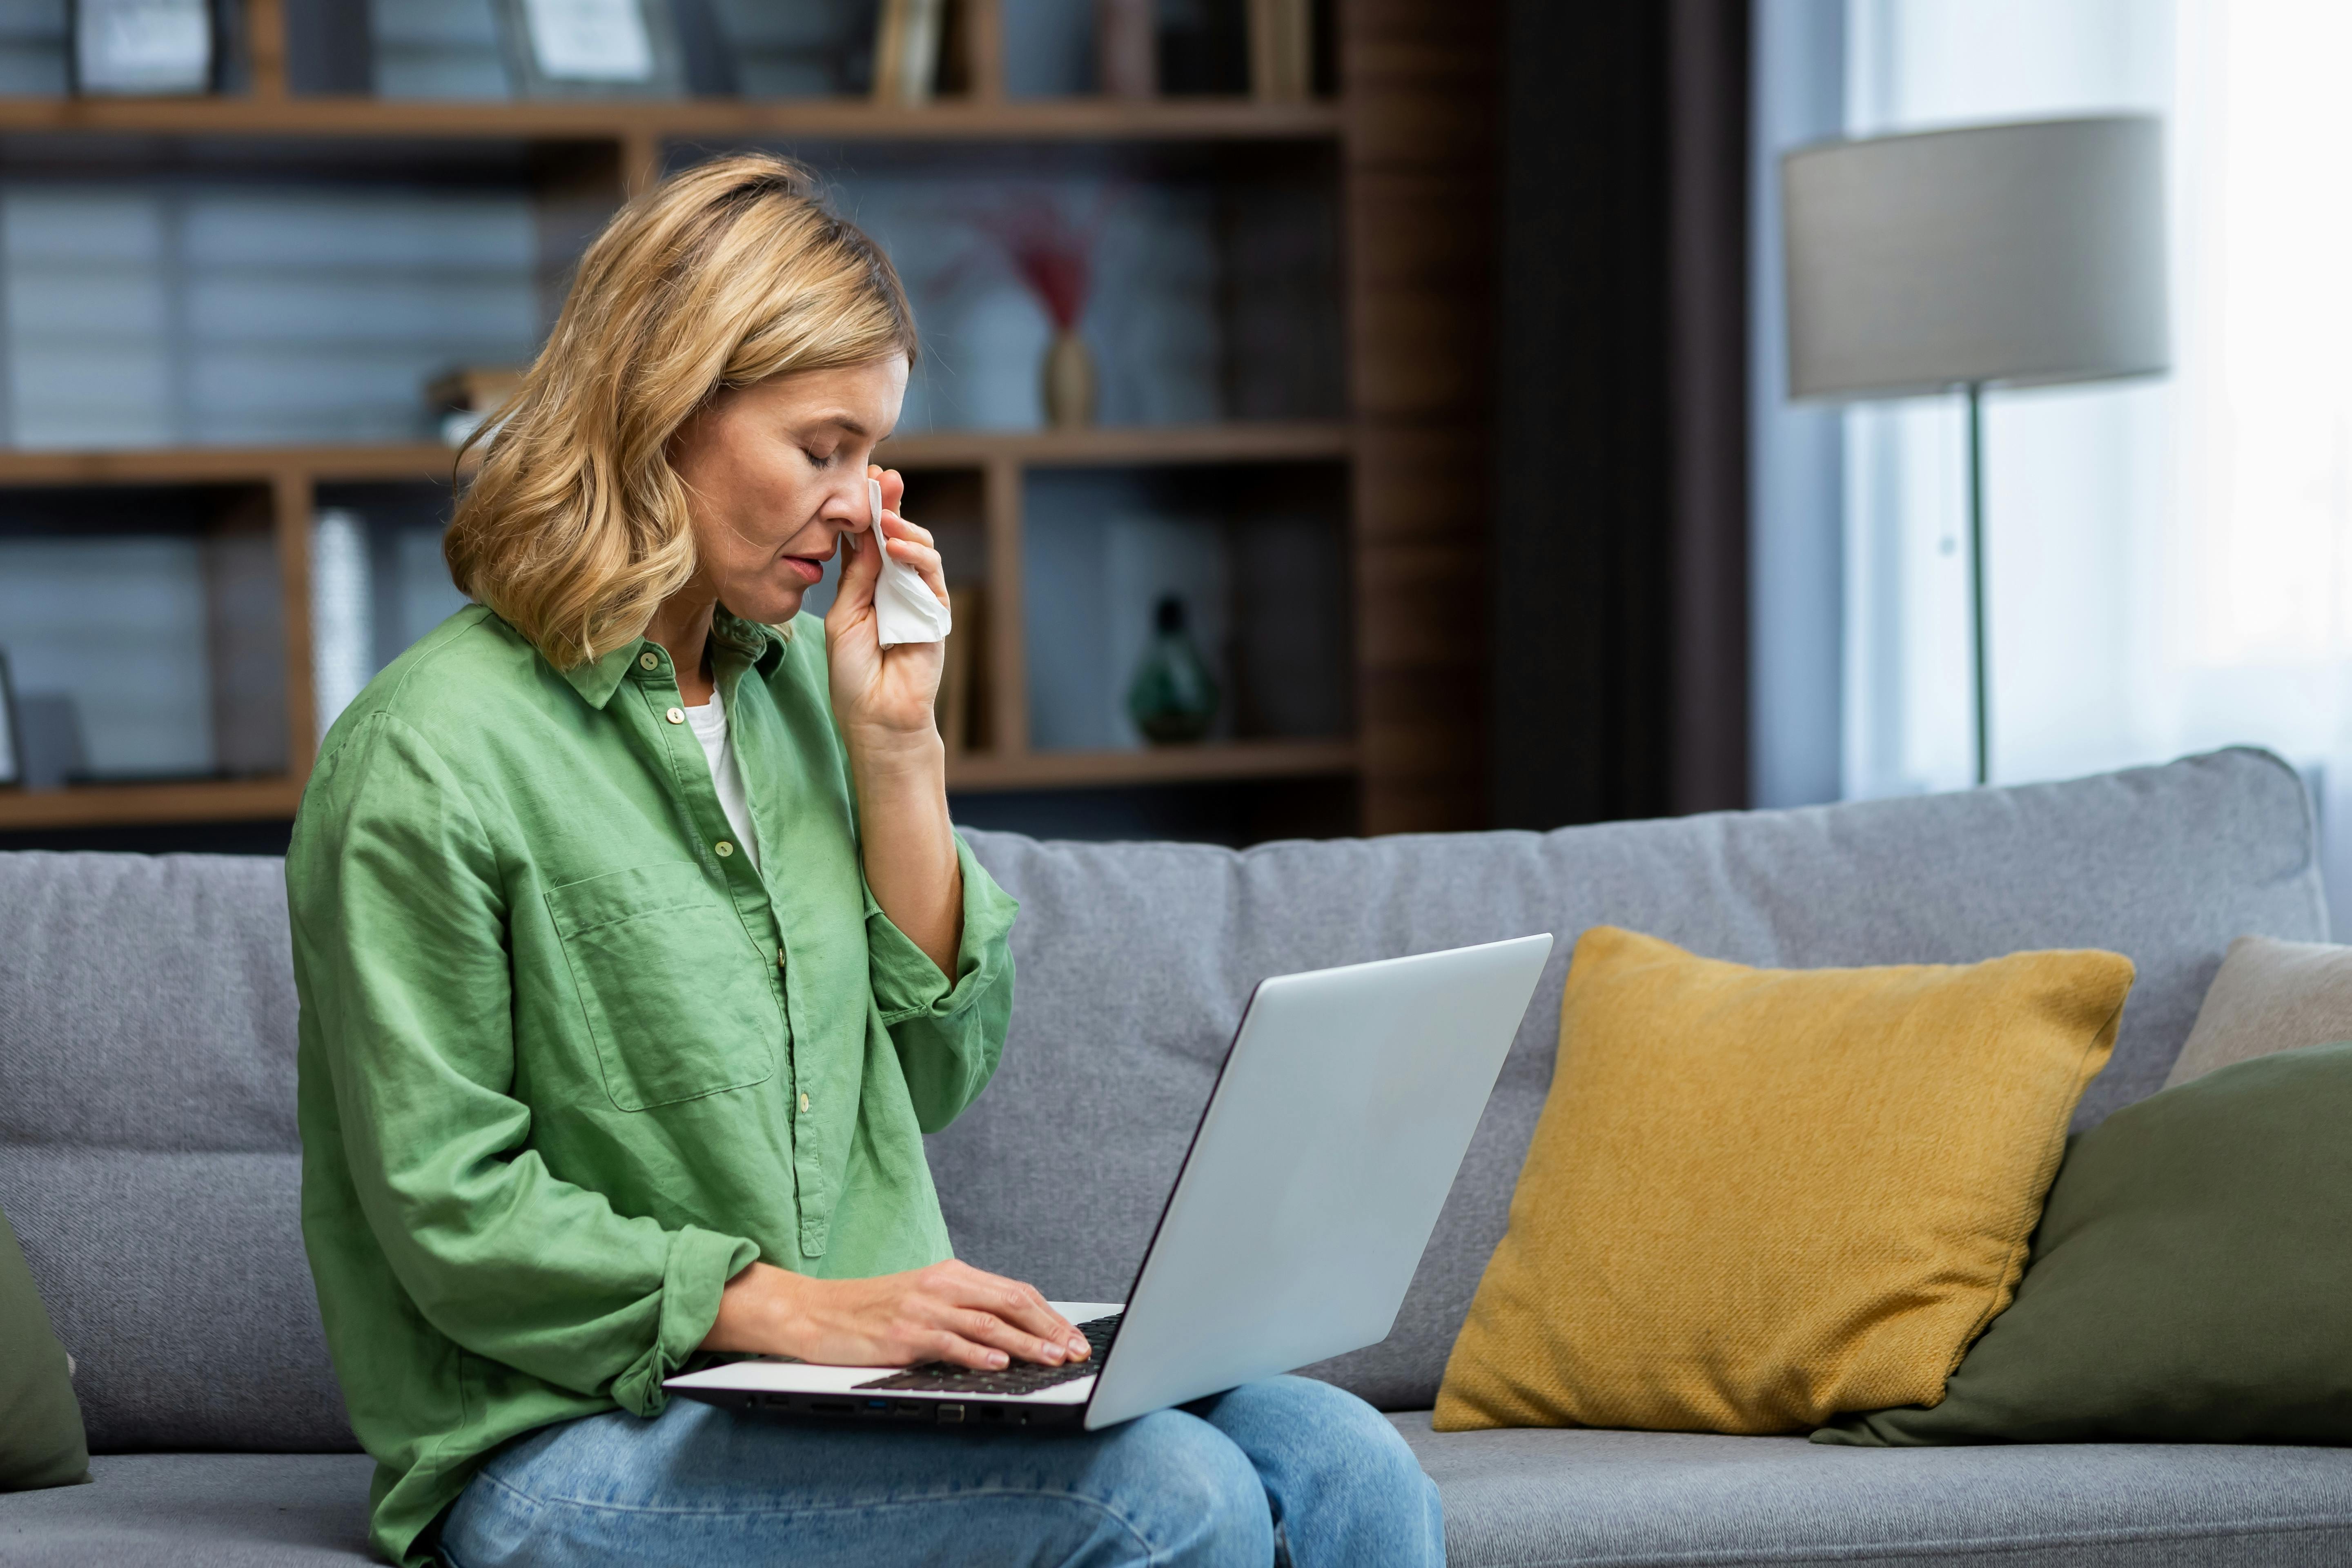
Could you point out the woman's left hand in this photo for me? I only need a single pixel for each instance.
(884, 698)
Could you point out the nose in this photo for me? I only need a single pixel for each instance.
(847, 508)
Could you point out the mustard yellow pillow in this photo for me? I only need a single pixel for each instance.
(1759, 1198)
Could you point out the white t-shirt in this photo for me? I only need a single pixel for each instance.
(710, 723)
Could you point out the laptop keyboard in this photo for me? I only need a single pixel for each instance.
(1025, 1378)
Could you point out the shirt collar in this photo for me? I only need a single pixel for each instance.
(763, 645)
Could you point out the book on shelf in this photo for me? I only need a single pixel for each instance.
(1127, 48)
(1203, 48)
(1282, 50)
(907, 50)
(962, 717)
(342, 612)
(12, 757)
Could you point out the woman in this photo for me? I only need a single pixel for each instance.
(636, 955)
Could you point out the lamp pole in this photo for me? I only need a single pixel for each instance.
(1976, 582)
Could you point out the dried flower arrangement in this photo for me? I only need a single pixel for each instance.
(1054, 258)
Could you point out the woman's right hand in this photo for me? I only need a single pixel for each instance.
(949, 1311)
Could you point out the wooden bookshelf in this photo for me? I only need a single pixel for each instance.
(1394, 143)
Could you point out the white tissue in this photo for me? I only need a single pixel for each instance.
(905, 609)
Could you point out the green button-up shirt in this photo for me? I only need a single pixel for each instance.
(569, 1061)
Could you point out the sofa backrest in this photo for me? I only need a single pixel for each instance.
(148, 1154)
(1135, 959)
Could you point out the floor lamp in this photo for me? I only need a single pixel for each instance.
(2021, 255)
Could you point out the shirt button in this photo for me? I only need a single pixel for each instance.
(724, 848)
(647, 661)
(804, 1101)
(676, 715)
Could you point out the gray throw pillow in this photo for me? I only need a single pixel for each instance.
(41, 1441)
(2270, 995)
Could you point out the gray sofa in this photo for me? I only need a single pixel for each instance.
(147, 1153)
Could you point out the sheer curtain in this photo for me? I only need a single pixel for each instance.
(2170, 562)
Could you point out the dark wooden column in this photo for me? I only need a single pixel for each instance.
(1420, 88)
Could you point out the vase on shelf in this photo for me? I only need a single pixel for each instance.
(1174, 698)
(1068, 377)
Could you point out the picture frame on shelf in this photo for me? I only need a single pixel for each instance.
(592, 49)
(142, 48)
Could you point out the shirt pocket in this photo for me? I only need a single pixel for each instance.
(678, 1001)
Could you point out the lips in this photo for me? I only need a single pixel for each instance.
(810, 571)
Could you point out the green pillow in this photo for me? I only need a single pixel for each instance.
(2191, 1279)
(41, 1441)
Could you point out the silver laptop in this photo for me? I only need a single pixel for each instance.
(1342, 1112)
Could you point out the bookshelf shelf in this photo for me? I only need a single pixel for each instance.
(1143, 444)
(176, 465)
(116, 805)
(230, 800)
(1230, 759)
(1233, 443)
(1071, 119)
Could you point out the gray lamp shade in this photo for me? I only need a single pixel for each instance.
(2016, 254)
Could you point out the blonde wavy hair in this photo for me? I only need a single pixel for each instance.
(727, 274)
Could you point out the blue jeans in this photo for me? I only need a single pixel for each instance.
(1287, 1465)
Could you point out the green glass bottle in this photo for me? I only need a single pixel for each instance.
(1174, 698)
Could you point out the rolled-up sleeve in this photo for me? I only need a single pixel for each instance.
(948, 1030)
(400, 931)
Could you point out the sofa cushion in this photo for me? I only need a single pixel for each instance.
(2190, 1283)
(1549, 1497)
(1513, 1499)
(1135, 960)
(146, 1003)
(41, 1439)
(198, 1510)
(1759, 1198)
(148, 1152)
(178, 1284)
(2270, 995)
